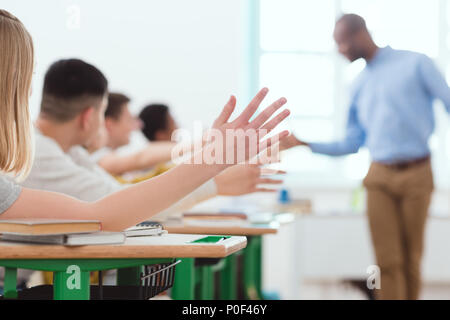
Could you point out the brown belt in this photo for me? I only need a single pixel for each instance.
(406, 164)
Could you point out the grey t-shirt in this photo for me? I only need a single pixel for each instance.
(9, 192)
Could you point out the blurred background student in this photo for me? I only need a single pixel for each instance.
(158, 124)
(126, 167)
(119, 124)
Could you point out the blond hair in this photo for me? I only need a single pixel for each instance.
(16, 71)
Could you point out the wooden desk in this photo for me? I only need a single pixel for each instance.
(165, 246)
(131, 255)
(252, 255)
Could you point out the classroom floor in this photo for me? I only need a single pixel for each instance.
(345, 291)
(329, 290)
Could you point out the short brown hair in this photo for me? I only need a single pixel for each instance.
(116, 102)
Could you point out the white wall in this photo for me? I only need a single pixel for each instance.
(185, 53)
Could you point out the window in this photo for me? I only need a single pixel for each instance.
(295, 56)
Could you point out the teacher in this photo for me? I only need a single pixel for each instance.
(391, 113)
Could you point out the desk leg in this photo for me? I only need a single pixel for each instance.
(228, 285)
(72, 284)
(184, 285)
(129, 276)
(10, 283)
(252, 268)
(258, 266)
(206, 283)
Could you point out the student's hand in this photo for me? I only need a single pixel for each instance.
(245, 178)
(291, 141)
(228, 151)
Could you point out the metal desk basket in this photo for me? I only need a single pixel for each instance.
(157, 278)
(154, 280)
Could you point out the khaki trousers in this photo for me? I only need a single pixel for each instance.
(397, 207)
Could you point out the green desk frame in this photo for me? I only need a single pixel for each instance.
(190, 282)
(193, 282)
(65, 285)
(253, 268)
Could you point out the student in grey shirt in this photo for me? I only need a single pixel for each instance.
(9, 192)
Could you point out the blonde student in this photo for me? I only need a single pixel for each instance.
(123, 208)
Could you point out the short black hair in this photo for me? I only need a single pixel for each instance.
(116, 102)
(353, 22)
(154, 118)
(67, 82)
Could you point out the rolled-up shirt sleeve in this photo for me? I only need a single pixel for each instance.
(9, 192)
(434, 81)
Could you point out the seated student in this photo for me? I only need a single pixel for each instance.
(133, 167)
(72, 108)
(119, 123)
(157, 122)
(157, 125)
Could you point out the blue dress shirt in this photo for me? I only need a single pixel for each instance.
(391, 108)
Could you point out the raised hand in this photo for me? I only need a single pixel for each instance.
(232, 142)
(245, 178)
(291, 141)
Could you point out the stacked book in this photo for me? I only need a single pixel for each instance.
(68, 232)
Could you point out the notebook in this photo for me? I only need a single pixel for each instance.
(95, 238)
(48, 226)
